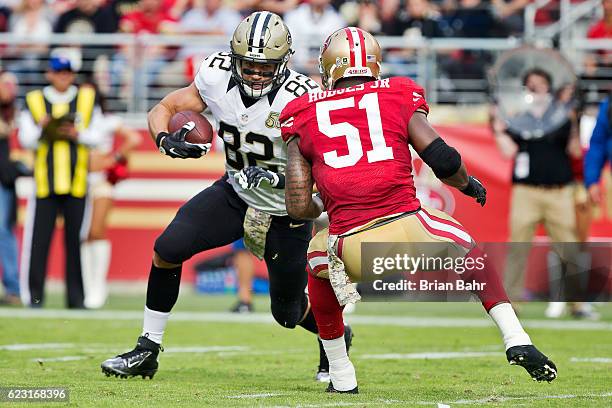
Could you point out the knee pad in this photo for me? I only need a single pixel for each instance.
(289, 313)
(172, 247)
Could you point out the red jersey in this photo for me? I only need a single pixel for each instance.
(356, 140)
(600, 30)
(141, 23)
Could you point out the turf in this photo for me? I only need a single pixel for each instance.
(255, 363)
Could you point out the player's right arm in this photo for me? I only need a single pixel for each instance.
(299, 200)
(443, 159)
(174, 144)
(183, 99)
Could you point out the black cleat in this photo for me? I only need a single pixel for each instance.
(330, 388)
(539, 367)
(242, 307)
(142, 361)
(323, 370)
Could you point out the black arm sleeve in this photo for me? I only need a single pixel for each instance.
(443, 159)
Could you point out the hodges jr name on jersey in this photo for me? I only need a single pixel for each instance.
(251, 134)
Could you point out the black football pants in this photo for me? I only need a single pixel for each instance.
(214, 218)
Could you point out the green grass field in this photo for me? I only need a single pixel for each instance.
(216, 359)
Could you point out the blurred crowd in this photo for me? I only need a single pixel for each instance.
(310, 21)
(429, 18)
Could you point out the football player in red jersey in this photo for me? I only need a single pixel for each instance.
(352, 140)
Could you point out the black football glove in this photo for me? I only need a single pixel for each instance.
(476, 189)
(174, 144)
(252, 176)
(316, 197)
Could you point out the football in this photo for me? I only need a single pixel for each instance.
(203, 131)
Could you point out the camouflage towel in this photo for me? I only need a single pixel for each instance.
(256, 226)
(346, 292)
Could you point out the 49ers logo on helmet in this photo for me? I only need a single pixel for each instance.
(358, 71)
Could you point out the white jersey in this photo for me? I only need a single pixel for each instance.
(251, 134)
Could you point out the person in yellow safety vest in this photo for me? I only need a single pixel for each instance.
(57, 124)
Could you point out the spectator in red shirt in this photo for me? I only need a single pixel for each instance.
(149, 18)
(175, 8)
(603, 28)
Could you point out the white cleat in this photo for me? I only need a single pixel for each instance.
(323, 376)
(555, 310)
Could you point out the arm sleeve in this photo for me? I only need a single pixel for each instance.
(92, 136)
(595, 158)
(29, 131)
(443, 159)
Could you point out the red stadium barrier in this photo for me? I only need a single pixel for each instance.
(132, 245)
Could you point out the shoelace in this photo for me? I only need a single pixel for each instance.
(134, 353)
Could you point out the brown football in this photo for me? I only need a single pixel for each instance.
(203, 131)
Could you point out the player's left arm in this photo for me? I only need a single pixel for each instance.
(300, 202)
(444, 160)
(252, 176)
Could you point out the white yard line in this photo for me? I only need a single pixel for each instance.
(206, 349)
(105, 347)
(429, 355)
(224, 317)
(54, 359)
(264, 395)
(497, 399)
(482, 401)
(605, 360)
(333, 404)
(37, 346)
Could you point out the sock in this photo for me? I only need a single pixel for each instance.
(99, 252)
(308, 322)
(163, 288)
(162, 293)
(154, 324)
(512, 332)
(341, 369)
(87, 270)
(325, 308)
(493, 292)
(323, 361)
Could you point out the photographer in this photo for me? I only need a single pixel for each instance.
(540, 139)
(57, 124)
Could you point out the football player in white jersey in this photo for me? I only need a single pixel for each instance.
(245, 90)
